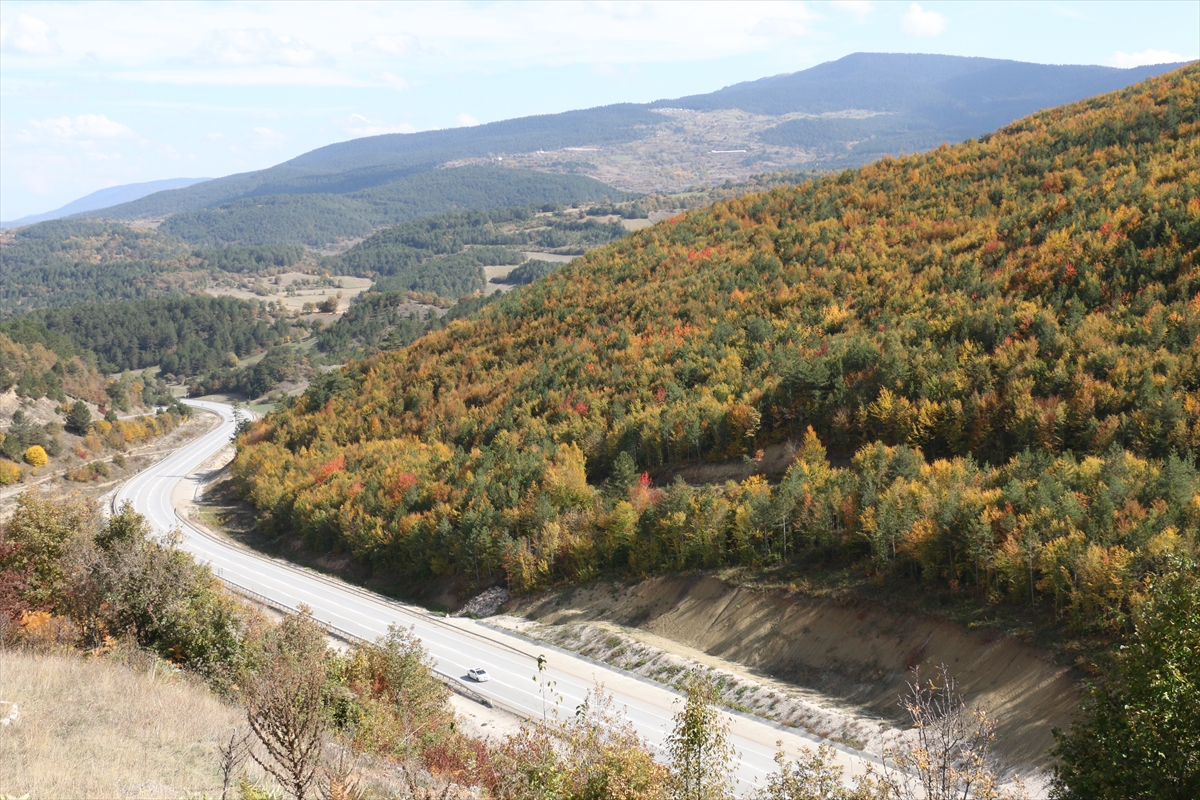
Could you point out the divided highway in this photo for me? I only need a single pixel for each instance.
(455, 644)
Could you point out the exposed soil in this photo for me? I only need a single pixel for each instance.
(256, 287)
(772, 461)
(859, 657)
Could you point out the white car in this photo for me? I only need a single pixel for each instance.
(478, 674)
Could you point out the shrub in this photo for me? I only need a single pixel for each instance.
(36, 457)
(10, 473)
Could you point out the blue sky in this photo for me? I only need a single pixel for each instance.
(98, 94)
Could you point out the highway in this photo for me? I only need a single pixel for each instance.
(455, 644)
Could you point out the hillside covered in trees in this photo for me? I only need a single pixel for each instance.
(317, 218)
(35, 371)
(185, 335)
(68, 262)
(196, 339)
(445, 253)
(986, 357)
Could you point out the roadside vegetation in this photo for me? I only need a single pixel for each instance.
(317, 722)
(373, 719)
(63, 414)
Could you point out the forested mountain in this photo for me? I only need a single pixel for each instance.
(183, 335)
(445, 253)
(986, 357)
(918, 101)
(67, 262)
(105, 198)
(375, 161)
(898, 82)
(316, 218)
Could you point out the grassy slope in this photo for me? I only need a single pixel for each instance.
(94, 728)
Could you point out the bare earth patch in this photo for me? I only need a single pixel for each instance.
(293, 289)
(814, 654)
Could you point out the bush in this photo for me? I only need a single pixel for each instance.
(110, 577)
(10, 473)
(36, 457)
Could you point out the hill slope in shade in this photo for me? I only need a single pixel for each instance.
(104, 198)
(318, 218)
(1024, 308)
(927, 100)
(364, 164)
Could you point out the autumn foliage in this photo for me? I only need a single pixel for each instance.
(987, 358)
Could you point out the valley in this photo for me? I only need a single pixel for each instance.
(800, 407)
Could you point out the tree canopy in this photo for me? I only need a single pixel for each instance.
(985, 359)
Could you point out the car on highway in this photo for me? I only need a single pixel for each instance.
(478, 674)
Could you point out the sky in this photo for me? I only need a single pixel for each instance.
(98, 94)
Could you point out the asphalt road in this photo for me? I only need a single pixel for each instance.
(455, 644)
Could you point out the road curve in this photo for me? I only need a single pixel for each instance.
(455, 644)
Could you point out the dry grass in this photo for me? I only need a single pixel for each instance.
(96, 728)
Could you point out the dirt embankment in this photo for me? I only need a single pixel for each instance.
(856, 656)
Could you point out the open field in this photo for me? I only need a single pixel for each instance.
(293, 289)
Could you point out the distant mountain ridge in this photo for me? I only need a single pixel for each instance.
(104, 198)
(838, 114)
(897, 82)
(932, 98)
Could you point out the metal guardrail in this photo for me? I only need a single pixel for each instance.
(452, 683)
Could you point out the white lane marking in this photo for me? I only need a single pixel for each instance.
(150, 492)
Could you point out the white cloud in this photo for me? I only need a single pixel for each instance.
(28, 35)
(358, 125)
(859, 8)
(775, 27)
(359, 41)
(395, 81)
(393, 44)
(265, 75)
(257, 46)
(466, 120)
(85, 127)
(1145, 58)
(266, 138)
(919, 22)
